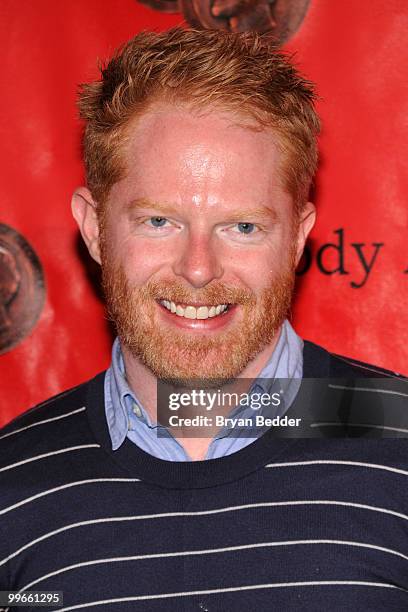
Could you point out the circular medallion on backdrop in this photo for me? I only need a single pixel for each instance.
(281, 18)
(164, 6)
(22, 288)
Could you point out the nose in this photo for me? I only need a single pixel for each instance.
(197, 261)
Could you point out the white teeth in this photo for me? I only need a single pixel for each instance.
(191, 312)
(202, 312)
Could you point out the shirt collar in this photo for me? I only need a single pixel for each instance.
(284, 369)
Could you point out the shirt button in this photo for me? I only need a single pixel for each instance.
(137, 410)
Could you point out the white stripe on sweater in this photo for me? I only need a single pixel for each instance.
(199, 513)
(209, 551)
(76, 483)
(389, 391)
(61, 416)
(371, 368)
(44, 455)
(375, 466)
(233, 589)
(369, 425)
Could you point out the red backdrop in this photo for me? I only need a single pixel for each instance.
(356, 52)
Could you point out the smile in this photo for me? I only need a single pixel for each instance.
(194, 312)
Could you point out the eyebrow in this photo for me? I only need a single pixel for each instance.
(252, 213)
(259, 213)
(141, 203)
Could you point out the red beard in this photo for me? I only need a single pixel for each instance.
(176, 355)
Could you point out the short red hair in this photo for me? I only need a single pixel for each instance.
(206, 69)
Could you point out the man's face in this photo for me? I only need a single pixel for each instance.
(202, 226)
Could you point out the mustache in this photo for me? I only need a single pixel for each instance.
(218, 293)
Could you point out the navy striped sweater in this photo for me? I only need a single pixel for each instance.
(283, 524)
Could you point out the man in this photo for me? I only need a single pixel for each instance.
(200, 148)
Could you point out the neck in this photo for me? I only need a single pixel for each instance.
(144, 384)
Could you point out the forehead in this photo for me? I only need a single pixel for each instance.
(175, 152)
(178, 127)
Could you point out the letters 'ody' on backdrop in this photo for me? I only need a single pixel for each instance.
(352, 283)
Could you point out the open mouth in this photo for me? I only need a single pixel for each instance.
(201, 312)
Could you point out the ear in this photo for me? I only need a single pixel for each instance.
(306, 223)
(83, 209)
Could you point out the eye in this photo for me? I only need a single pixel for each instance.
(157, 221)
(246, 228)
(245, 232)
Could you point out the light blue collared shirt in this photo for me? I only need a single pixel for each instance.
(126, 417)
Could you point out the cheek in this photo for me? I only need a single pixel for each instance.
(138, 255)
(250, 271)
(141, 260)
(256, 266)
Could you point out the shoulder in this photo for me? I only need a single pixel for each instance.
(354, 398)
(318, 362)
(58, 420)
(341, 365)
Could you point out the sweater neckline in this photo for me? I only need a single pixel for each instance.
(203, 473)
